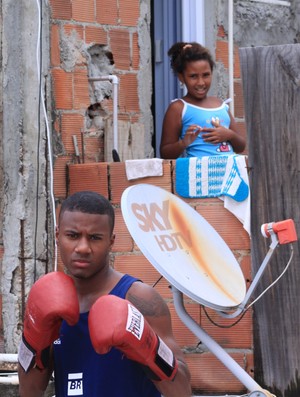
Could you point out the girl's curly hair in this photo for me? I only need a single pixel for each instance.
(180, 53)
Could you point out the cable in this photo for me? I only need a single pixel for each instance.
(275, 281)
(42, 102)
(224, 326)
(157, 281)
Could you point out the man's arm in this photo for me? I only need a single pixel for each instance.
(157, 313)
(34, 382)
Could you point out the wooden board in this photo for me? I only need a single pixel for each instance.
(271, 86)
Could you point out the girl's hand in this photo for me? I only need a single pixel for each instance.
(191, 134)
(216, 135)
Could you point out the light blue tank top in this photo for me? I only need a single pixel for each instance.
(80, 371)
(192, 114)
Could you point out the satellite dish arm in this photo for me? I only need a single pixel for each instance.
(211, 344)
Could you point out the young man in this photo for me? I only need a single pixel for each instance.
(102, 332)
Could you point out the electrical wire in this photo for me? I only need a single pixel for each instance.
(221, 325)
(157, 281)
(277, 279)
(49, 146)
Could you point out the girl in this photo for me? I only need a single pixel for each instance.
(197, 124)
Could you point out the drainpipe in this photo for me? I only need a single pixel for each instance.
(115, 81)
(275, 2)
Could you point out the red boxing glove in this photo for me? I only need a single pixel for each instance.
(51, 299)
(116, 322)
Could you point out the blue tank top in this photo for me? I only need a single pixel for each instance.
(80, 371)
(192, 114)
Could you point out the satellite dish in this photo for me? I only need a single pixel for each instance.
(183, 247)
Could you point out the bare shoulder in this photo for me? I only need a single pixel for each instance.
(176, 105)
(147, 300)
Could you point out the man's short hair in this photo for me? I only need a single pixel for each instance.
(89, 202)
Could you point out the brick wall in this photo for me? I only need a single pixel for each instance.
(208, 374)
(92, 22)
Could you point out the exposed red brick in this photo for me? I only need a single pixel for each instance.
(209, 375)
(120, 47)
(88, 177)
(221, 32)
(81, 89)
(238, 102)
(129, 12)
(63, 89)
(54, 48)
(95, 35)
(128, 98)
(135, 52)
(71, 124)
(222, 52)
(107, 12)
(83, 10)
(61, 9)
(236, 63)
(60, 176)
(242, 125)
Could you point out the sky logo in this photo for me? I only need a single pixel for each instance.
(75, 384)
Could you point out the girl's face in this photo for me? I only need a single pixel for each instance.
(197, 78)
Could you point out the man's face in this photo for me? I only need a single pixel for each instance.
(84, 242)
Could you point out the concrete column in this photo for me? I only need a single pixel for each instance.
(25, 191)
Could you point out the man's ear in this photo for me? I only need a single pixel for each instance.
(112, 240)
